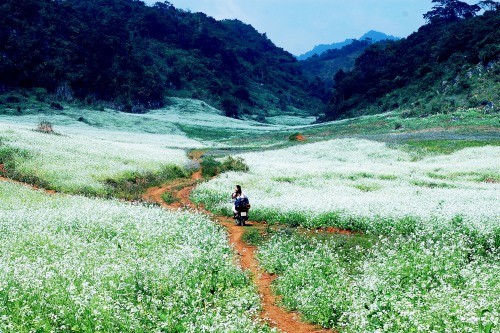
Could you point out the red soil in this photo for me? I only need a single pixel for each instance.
(300, 137)
(332, 230)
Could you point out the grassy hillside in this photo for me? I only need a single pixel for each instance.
(189, 123)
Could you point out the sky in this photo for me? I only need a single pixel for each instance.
(298, 25)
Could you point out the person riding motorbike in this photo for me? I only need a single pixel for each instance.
(237, 194)
(241, 206)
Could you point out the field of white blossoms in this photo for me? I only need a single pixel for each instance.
(364, 185)
(430, 254)
(79, 160)
(426, 258)
(386, 284)
(74, 264)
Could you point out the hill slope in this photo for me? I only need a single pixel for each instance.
(132, 55)
(330, 62)
(444, 65)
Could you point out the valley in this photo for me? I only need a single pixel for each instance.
(372, 168)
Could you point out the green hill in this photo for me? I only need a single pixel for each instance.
(448, 63)
(325, 66)
(132, 56)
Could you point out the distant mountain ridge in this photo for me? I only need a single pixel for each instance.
(375, 36)
(326, 65)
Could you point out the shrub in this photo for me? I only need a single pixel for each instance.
(230, 108)
(131, 185)
(168, 198)
(56, 106)
(234, 164)
(45, 126)
(12, 99)
(40, 94)
(211, 167)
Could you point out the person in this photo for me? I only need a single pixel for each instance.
(238, 193)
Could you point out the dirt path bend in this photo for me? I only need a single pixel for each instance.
(181, 189)
(273, 314)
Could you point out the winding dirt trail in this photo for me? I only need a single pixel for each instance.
(276, 316)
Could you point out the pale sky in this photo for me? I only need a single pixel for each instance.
(299, 25)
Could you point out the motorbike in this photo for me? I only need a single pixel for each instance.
(242, 206)
(241, 217)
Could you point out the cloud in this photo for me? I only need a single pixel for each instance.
(228, 9)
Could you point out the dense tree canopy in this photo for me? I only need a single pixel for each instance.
(451, 10)
(439, 49)
(133, 55)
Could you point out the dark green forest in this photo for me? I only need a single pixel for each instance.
(133, 56)
(413, 71)
(325, 66)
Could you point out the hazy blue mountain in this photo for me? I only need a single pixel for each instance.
(375, 36)
(318, 49)
(325, 66)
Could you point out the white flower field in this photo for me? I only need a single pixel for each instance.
(364, 185)
(73, 264)
(422, 253)
(75, 160)
(399, 284)
(430, 261)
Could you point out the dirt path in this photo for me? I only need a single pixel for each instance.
(4, 179)
(276, 316)
(181, 189)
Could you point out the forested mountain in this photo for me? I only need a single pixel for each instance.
(325, 66)
(133, 55)
(435, 64)
(319, 49)
(375, 36)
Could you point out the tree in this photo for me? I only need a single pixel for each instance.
(230, 107)
(489, 5)
(450, 10)
(130, 54)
